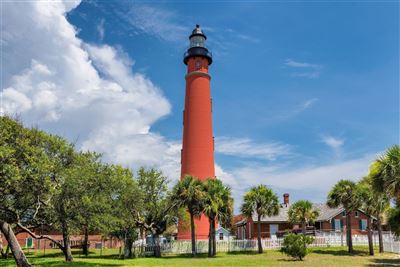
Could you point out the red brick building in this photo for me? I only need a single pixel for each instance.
(95, 241)
(329, 219)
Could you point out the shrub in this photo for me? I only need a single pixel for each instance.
(296, 245)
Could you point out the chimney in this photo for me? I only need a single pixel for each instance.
(286, 199)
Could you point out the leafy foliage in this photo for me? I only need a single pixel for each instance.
(394, 220)
(345, 193)
(385, 172)
(262, 201)
(295, 246)
(302, 212)
(189, 193)
(218, 206)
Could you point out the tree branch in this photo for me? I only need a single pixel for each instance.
(32, 234)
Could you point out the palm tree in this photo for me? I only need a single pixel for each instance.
(189, 193)
(262, 201)
(218, 206)
(374, 204)
(385, 172)
(344, 193)
(302, 212)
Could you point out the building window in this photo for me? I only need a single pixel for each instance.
(356, 213)
(221, 236)
(363, 225)
(344, 213)
(273, 229)
(337, 223)
(198, 65)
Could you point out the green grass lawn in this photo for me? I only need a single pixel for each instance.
(337, 256)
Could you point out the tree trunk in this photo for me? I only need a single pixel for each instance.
(379, 224)
(193, 230)
(143, 237)
(260, 249)
(304, 228)
(7, 251)
(66, 246)
(370, 242)
(19, 256)
(128, 242)
(214, 238)
(349, 237)
(157, 248)
(210, 242)
(85, 245)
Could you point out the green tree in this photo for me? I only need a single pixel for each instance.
(101, 184)
(262, 201)
(159, 211)
(218, 206)
(303, 213)
(72, 206)
(296, 245)
(189, 193)
(344, 193)
(374, 204)
(394, 220)
(385, 173)
(28, 159)
(127, 204)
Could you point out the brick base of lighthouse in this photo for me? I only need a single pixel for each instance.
(201, 226)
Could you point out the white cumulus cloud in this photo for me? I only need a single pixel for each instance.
(83, 91)
(246, 147)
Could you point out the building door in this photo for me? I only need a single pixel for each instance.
(273, 228)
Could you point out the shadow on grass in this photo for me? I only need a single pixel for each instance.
(75, 254)
(342, 252)
(77, 264)
(251, 252)
(184, 256)
(60, 262)
(385, 262)
(290, 260)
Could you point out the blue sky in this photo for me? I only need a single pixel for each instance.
(304, 93)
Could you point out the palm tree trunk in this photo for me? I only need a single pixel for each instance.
(379, 223)
(370, 243)
(304, 228)
(260, 249)
(349, 237)
(192, 227)
(210, 238)
(214, 239)
(19, 256)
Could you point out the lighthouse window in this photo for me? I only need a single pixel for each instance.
(197, 41)
(198, 65)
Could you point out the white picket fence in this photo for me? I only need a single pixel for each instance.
(391, 246)
(325, 240)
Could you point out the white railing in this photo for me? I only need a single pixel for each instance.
(392, 245)
(325, 240)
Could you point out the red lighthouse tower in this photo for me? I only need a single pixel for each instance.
(197, 158)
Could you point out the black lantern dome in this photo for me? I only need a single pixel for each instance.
(197, 46)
